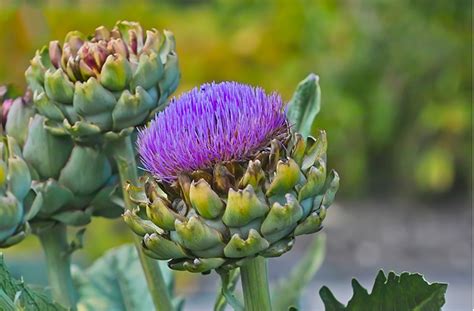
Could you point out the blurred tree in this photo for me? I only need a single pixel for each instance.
(394, 74)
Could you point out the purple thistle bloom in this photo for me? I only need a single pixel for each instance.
(208, 125)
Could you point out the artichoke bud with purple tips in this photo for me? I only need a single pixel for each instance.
(228, 180)
(107, 83)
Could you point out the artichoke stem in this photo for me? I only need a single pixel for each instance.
(127, 166)
(255, 285)
(58, 260)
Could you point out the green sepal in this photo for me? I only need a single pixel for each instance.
(243, 206)
(149, 71)
(46, 153)
(163, 248)
(305, 104)
(245, 229)
(281, 217)
(19, 177)
(168, 45)
(216, 251)
(16, 238)
(205, 200)
(253, 176)
(11, 215)
(47, 107)
(196, 265)
(116, 73)
(316, 176)
(298, 149)
(18, 120)
(137, 194)
(170, 80)
(238, 247)
(79, 128)
(278, 248)
(312, 223)
(332, 187)
(315, 149)
(92, 98)
(108, 202)
(160, 213)
(132, 109)
(35, 73)
(54, 196)
(74, 217)
(58, 87)
(286, 177)
(138, 225)
(196, 235)
(86, 171)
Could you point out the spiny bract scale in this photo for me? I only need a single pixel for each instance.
(218, 217)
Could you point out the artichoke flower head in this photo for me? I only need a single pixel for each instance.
(106, 83)
(228, 180)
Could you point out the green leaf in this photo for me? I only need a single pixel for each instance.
(305, 104)
(408, 291)
(116, 282)
(16, 295)
(289, 289)
(226, 295)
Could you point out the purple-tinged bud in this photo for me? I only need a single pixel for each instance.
(5, 109)
(102, 33)
(75, 41)
(117, 46)
(55, 53)
(152, 41)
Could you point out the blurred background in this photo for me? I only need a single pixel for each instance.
(396, 104)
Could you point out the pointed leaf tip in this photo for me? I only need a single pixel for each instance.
(305, 104)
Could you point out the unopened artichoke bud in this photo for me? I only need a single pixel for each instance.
(72, 182)
(15, 184)
(105, 83)
(228, 180)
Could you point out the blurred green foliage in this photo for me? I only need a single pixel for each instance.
(395, 75)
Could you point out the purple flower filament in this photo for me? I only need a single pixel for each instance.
(215, 123)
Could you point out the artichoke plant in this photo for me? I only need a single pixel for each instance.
(228, 180)
(72, 182)
(15, 182)
(106, 83)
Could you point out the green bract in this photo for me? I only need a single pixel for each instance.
(217, 218)
(111, 81)
(15, 182)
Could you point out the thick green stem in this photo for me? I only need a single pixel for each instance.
(125, 158)
(255, 285)
(58, 260)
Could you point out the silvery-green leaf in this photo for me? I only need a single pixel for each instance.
(408, 291)
(116, 282)
(304, 105)
(290, 288)
(16, 295)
